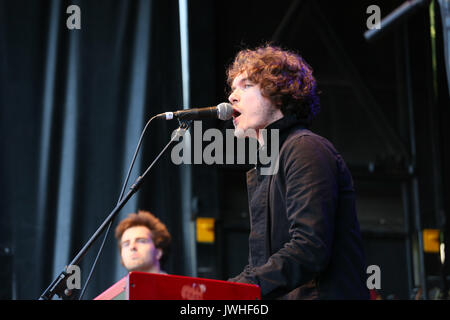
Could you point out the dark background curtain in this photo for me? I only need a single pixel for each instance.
(73, 105)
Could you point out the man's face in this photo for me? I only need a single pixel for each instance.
(138, 250)
(251, 109)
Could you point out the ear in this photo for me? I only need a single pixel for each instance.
(159, 253)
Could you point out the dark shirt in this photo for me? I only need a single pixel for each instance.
(305, 240)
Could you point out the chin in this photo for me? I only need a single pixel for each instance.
(239, 133)
(135, 267)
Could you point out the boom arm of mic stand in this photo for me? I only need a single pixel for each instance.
(58, 286)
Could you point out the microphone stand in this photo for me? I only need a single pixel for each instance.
(59, 285)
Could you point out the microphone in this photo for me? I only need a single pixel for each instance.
(223, 111)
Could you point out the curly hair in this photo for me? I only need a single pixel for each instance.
(284, 77)
(160, 235)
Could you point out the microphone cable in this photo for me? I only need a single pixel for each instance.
(120, 198)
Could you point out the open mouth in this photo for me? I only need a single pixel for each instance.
(236, 115)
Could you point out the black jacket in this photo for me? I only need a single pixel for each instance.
(305, 241)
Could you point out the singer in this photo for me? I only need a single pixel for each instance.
(305, 240)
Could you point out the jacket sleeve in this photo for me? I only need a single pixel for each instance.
(309, 172)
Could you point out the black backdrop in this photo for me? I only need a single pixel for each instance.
(73, 104)
(383, 105)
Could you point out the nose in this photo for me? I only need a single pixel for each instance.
(133, 246)
(233, 97)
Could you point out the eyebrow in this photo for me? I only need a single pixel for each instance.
(240, 81)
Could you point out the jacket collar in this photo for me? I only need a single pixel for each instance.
(285, 126)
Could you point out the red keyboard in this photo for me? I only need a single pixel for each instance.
(152, 286)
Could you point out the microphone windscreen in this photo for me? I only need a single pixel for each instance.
(225, 111)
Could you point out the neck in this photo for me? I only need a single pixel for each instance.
(156, 268)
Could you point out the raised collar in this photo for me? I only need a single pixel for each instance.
(285, 126)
